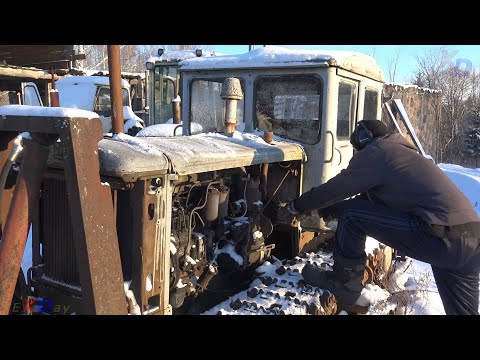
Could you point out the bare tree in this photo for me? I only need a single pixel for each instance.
(132, 57)
(437, 71)
(455, 86)
(95, 57)
(430, 67)
(187, 47)
(181, 47)
(392, 66)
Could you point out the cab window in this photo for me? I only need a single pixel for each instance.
(347, 95)
(289, 106)
(102, 102)
(370, 104)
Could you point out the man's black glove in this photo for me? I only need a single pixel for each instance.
(287, 214)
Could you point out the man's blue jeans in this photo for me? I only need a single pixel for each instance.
(455, 262)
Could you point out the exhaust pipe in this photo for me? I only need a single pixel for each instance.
(267, 137)
(54, 96)
(231, 92)
(115, 77)
(176, 109)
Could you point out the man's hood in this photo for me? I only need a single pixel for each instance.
(397, 138)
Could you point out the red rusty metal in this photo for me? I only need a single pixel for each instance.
(230, 128)
(151, 241)
(176, 108)
(54, 96)
(23, 204)
(93, 220)
(91, 209)
(115, 88)
(6, 144)
(267, 137)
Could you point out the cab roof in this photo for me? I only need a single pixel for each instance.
(275, 56)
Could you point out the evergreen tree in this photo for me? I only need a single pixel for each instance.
(473, 141)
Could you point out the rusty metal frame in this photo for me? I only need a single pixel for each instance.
(93, 219)
(151, 204)
(19, 217)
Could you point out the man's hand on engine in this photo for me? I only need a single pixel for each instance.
(287, 214)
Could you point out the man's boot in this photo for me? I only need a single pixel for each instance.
(345, 281)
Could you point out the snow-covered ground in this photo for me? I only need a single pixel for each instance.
(413, 286)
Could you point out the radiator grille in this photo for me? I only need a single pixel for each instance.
(56, 235)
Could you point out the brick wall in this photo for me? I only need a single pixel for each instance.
(423, 109)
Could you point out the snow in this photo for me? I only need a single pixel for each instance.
(189, 260)
(81, 96)
(372, 294)
(178, 55)
(370, 245)
(148, 283)
(230, 250)
(413, 288)
(130, 124)
(166, 129)
(252, 138)
(26, 135)
(90, 80)
(27, 110)
(278, 56)
(410, 86)
(134, 307)
(467, 180)
(131, 119)
(159, 130)
(173, 247)
(274, 298)
(129, 114)
(257, 235)
(138, 144)
(106, 73)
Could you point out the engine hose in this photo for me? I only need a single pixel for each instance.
(190, 229)
(176, 267)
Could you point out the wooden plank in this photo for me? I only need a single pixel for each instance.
(35, 54)
(16, 72)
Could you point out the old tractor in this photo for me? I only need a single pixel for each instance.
(150, 224)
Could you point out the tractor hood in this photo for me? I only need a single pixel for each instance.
(137, 157)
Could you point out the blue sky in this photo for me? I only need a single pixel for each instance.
(383, 54)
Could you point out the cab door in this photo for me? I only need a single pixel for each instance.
(30, 94)
(347, 103)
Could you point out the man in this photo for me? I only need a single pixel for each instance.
(405, 202)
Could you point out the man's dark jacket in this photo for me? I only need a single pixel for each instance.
(395, 175)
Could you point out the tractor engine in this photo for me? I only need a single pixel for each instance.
(217, 227)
